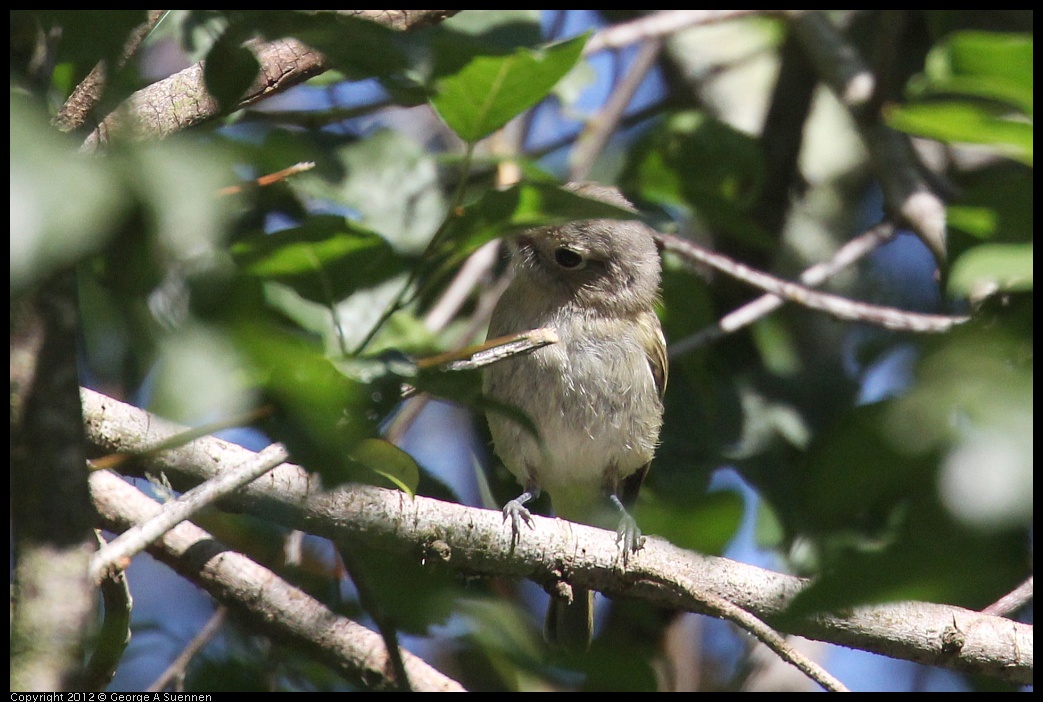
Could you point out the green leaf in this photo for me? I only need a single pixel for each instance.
(978, 221)
(389, 461)
(993, 267)
(326, 259)
(996, 66)
(524, 206)
(705, 525)
(324, 417)
(694, 160)
(489, 91)
(965, 122)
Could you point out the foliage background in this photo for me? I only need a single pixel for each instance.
(890, 465)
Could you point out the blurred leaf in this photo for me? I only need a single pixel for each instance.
(491, 90)
(391, 462)
(992, 267)
(359, 48)
(951, 459)
(706, 524)
(995, 204)
(506, 30)
(178, 179)
(413, 594)
(965, 122)
(979, 221)
(692, 159)
(86, 36)
(991, 65)
(524, 206)
(325, 260)
(64, 205)
(391, 181)
(322, 415)
(198, 377)
(500, 627)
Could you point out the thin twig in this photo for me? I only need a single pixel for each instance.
(114, 634)
(492, 351)
(474, 269)
(658, 25)
(268, 179)
(764, 305)
(117, 552)
(1012, 601)
(598, 130)
(833, 305)
(908, 195)
(177, 669)
(770, 638)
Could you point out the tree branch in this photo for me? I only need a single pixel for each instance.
(833, 305)
(909, 197)
(476, 542)
(181, 100)
(260, 596)
(52, 598)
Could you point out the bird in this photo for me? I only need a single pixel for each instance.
(595, 397)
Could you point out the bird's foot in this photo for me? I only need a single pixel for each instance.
(518, 513)
(628, 534)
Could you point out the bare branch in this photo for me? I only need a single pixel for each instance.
(1012, 601)
(475, 541)
(600, 128)
(176, 670)
(833, 305)
(908, 195)
(259, 595)
(658, 25)
(766, 304)
(181, 100)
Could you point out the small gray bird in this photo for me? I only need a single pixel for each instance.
(596, 395)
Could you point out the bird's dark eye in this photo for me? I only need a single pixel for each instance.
(567, 258)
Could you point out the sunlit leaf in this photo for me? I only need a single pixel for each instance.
(491, 90)
(325, 259)
(389, 461)
(991, 65)
(965, 122)
(993, 267)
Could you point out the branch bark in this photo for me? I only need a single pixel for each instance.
(181, 100)
(262, 598)
(475, 541)
(53, 598)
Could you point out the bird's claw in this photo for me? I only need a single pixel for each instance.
(629, 537)
(517, 512)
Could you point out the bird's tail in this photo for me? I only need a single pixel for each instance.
(570, 625)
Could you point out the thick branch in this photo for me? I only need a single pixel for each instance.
(181, 100)
(260, 596)
(476, 541)
(53, 600)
